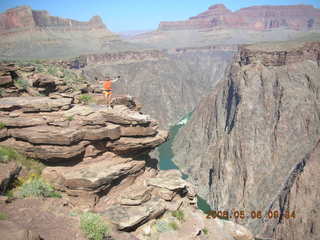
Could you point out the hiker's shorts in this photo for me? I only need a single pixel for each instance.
(107, 92)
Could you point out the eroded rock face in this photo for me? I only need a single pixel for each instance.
(250, 145)
(24, 17)
(52, 129)
(297, 17)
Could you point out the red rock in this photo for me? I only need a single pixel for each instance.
(297, 17)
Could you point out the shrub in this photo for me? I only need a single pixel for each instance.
(173, 225)
(162, 226)
(93, 226)
(3, 216)
(2, 125)
(178, 214)
(86, 99)
(205, 231)
(8, 154)
(36, 187)
(70, 118)
(21, 83)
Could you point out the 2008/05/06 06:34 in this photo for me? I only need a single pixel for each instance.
(241, 214)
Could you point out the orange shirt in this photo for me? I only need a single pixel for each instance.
(107, 85)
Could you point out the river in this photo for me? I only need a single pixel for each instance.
(166, 156)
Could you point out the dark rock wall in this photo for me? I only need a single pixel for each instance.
(245, 140)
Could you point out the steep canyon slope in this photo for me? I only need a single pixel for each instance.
(169, 84)
(253, 144)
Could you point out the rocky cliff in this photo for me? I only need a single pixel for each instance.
(169, 83)
(24, 18)
(297, 17)
(93, 159)
(32, 34)
(252, 145)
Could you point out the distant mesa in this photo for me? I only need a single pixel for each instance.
(23, 18)
(296, 17)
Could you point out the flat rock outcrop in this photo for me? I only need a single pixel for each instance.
(297, 17)
(251, 145)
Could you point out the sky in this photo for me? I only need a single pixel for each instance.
(125, 15)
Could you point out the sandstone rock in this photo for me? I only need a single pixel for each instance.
(168, 181)
(16, 121)
(11, 231)
(4, 80)
(127, 145)
(111, 131)
(3, 133)
(137, 131)
(33, 104)
(128, 218)
(48, 135)
(136, 196)
(53, 153)
(8, 172)
(92, 176)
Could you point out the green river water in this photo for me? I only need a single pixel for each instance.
(166, 156)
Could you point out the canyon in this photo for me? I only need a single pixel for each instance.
(249, 79)
(251, 144)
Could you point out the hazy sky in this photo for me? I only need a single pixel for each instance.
(124, 15)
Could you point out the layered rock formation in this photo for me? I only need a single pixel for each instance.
(97, 158)
(252, 145)
(32, 34)
(297, 17)
(25, 19)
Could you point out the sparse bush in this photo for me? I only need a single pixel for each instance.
(36, 187)
(205, 231)
(3, 216)
(70, 118)
(178, 214)
(21, 83)
(162, 226)
(8, 154)
(85, 99)
(93, 226)
(173, 225)
(2, 125)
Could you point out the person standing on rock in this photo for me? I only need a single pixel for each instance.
(107, 89)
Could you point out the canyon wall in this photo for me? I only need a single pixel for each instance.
(169, 84)
(252, 144)
(297, 17)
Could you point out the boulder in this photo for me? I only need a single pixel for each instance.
(130, 217)
(136, 196)
(92, 176)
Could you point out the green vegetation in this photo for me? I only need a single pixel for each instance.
(85, 98)
(162, 226)
(205, 231)
(178, 214)
(36, 187)
(3, 216)
(70, 118)
(31, 165)
(93, 226)
(173, 225)
(2, 125)
(21, 83)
